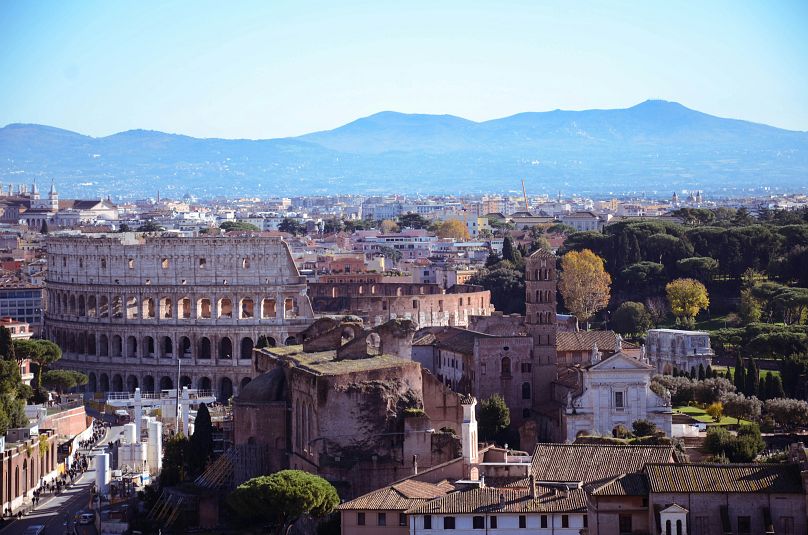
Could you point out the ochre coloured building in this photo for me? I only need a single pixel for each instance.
(131, 310)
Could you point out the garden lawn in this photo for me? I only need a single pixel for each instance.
(701, 416)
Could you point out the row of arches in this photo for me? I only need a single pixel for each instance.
(131, 346)
(168, 308)
(29, 473)
(117, 382)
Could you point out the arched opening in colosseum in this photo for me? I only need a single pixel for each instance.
(185, 347)
(166, 308)
(225, 348)
(117, 346)
(73, 304)
(148, 383)
(373, 343)
(117, 307)
(225, 308)
(185, 381)
(117, 383)
(166, 383)
(92, 309)
(245, 382)
(104, 382)
(289, 308)
(361, 290)
(103, 345)
(148, 346)
(82, 308)
(131, 346)
(268, 308)
(91, 348)
(64, 309)
(82, 343)
(204, 384)
(204, 348)
(92, 382)
(167, 346)
(203, 308)
(103, 263)
(399, 292)
(148, 308)
(225, 389)
(131, 383)
(185, 308)
(103, 306)
(334, 291)
(245, 263)
(246, 348)
(291, 341)
(247, 308)
(131, 307)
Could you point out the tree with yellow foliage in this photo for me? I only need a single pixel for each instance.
(584, 283)
(686, 298)
(452, 228)
(388, 226)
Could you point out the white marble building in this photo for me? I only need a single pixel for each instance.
(614, 391)
(672, 348)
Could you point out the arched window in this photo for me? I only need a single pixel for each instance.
(103, 343)
(225, 308)
(131, 307)
(168, 347)
(246, 348)
(203, 310)
(525, 390)
(505, 366)
(247, 308)
(225, 348)
(204, 348)
(268, 308)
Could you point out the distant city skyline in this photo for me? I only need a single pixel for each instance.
(264, 70)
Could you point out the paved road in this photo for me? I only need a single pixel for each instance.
(53, 511)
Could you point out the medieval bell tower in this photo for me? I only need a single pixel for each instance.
(541, 322)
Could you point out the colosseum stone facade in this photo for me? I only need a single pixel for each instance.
(130, 311)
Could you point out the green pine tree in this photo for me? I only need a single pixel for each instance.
(752, 382)
(739, 375)
(702, 375)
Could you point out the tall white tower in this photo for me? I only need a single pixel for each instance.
(469, 431)
(53, 198)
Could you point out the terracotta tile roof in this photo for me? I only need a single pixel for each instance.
(768, 478)
(451, 338)
(516, 500)
(584, 340)
(594, 463)
(399, 496)
(626, 485)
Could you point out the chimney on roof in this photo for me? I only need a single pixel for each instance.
(532, 487)
(618, 343)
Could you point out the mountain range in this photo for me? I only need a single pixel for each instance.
(653, 147)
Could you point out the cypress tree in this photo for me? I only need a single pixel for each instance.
(702, 376)
(739, 375)
(777, 388)
(693, 374)
(507, 250)
(6, 345)
(711, 372)
(752, 379)
(201, 444)
(766, 387)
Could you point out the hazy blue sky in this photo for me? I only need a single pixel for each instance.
(269, 68)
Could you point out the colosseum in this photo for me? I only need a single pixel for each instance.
(133, 311)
